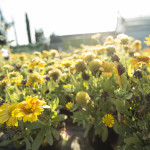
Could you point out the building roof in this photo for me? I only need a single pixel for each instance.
(137, 21)
(84, 35)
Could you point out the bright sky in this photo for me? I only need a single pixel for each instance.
(64, 17)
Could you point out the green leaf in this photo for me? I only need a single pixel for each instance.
(105, 134)
(116, 127)
(49, 137)
(53, 114)
(75, 107)
(38, 140)
(99, 129)
(107, 86)
(121, 130)
(28, 144)
(129, 96)
(141, 123)
(124, 81)
(87, 130)
(34, 125)
(5, 143)
(44, 70)
(54, 104)
(147, 147)
(121, 106)
(60, 117)
(132, 140)
(55, 133)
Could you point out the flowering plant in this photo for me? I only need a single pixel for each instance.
(104, 88)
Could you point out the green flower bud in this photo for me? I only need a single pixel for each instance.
(82, 98)
(95, 65)
(55, 74)
(53, 52)
(111, 49)
(80, 66)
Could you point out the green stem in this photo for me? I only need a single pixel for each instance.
(9, 96)
(8, 75)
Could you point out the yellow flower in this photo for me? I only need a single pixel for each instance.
(107, 69)
(137, 44)
(4, 82)
(53, 52)
(109, 39)
(37, 53)
(66, 63)
(34, 78)
(41, 64)
(106, 74)
(37, 62)
(13, 73)
(117, 74)
(6, 114)
(89, 56)
(108, 120)
(6, 67)
(29, 109)
(100, 50)
(147, 41)
(69, 105)
(139, 61)
(124, 39)
(45, 53)
(144, 59)
(22, 57)
(17, 80)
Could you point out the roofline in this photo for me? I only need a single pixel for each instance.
(85, 34)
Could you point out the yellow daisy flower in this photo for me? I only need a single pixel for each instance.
(53, 52)
(37, 62)
(22, 57)
(29, 109)
(45, 53)
(107, 69)
(69, 105)
(17, 80)
(108, 120)
(34, 78)
(137, 44)
(6, 114)
(147, 41)
(140, 60)
(66, 63)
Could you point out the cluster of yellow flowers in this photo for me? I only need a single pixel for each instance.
(72, 77)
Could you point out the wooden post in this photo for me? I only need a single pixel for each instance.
(28, 28)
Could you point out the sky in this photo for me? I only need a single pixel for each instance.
(65, 17)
